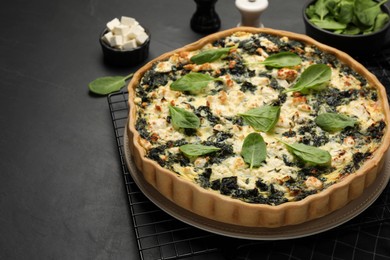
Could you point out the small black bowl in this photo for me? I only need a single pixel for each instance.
(117, 57)
(355, 45)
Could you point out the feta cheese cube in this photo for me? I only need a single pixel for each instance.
(129, 45)
(134, 32)
(129, 21)
(141, 38)
(118, 40)
(111, 24)
(140, 28)
(121, 30)
(125, 34)
(107, 38)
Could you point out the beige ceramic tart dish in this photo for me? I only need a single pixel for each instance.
(212, 205)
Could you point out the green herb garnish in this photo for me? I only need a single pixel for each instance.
(195, 150)
(193, 82)
(281, 60)
(315, 77)
(332, 122)
(182, 118)
(107, 85)
(254, 150)
(309, 154)
(262, 118)
(210, 55)
(348, 16)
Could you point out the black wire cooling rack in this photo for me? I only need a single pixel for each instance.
(160, 236)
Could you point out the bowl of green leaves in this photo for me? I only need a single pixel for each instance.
(357, 27)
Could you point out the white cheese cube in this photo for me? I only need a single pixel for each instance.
(121, 29)
(140, 28)
(107, 38)
(129, 45)
(111, 24)
(129, 21)
(141, 38)
(134, 32)
(118, 40)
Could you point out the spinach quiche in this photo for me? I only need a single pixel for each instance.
(258, 127)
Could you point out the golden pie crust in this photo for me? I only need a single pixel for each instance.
(225, 209)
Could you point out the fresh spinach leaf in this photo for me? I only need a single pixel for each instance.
(316, 77)
(254, 150)
(367, 11)
(351, 30)
(345, 13)
(332, 122)
(195, 150)
(107, 85)
(328, 24)
(320, 9)
(210, 55)
(182, 118)
(381, 21)
(193, 82)
(348, 16)
(310, 154)
(262, 118)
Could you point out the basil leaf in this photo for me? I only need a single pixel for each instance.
(193, 82)
(210, 55)
(262, 118)
(310, 154)
(107, 85)
(315, 77)
(182, 118)
(282, 60)
(332, 122)
(194, 150)
(254, 150)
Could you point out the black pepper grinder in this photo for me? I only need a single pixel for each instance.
(205, 20)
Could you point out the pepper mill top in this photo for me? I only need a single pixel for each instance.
(251, 11)
(205, 19)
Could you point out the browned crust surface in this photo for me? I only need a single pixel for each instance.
(224, 209)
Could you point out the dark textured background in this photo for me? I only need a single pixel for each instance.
(61, 189)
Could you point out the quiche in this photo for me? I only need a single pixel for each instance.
(258, 127)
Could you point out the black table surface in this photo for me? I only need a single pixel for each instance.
(61, 186)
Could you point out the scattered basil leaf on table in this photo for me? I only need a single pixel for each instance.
(210, 55)
(254, 150)
(195, 150)
(281, 60)
(182, 118)
(315, 77)
(107, 85)
(310, 154)
(193, 82)
(332, 122)
(262, 118)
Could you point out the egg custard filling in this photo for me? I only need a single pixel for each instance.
(258, 117)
